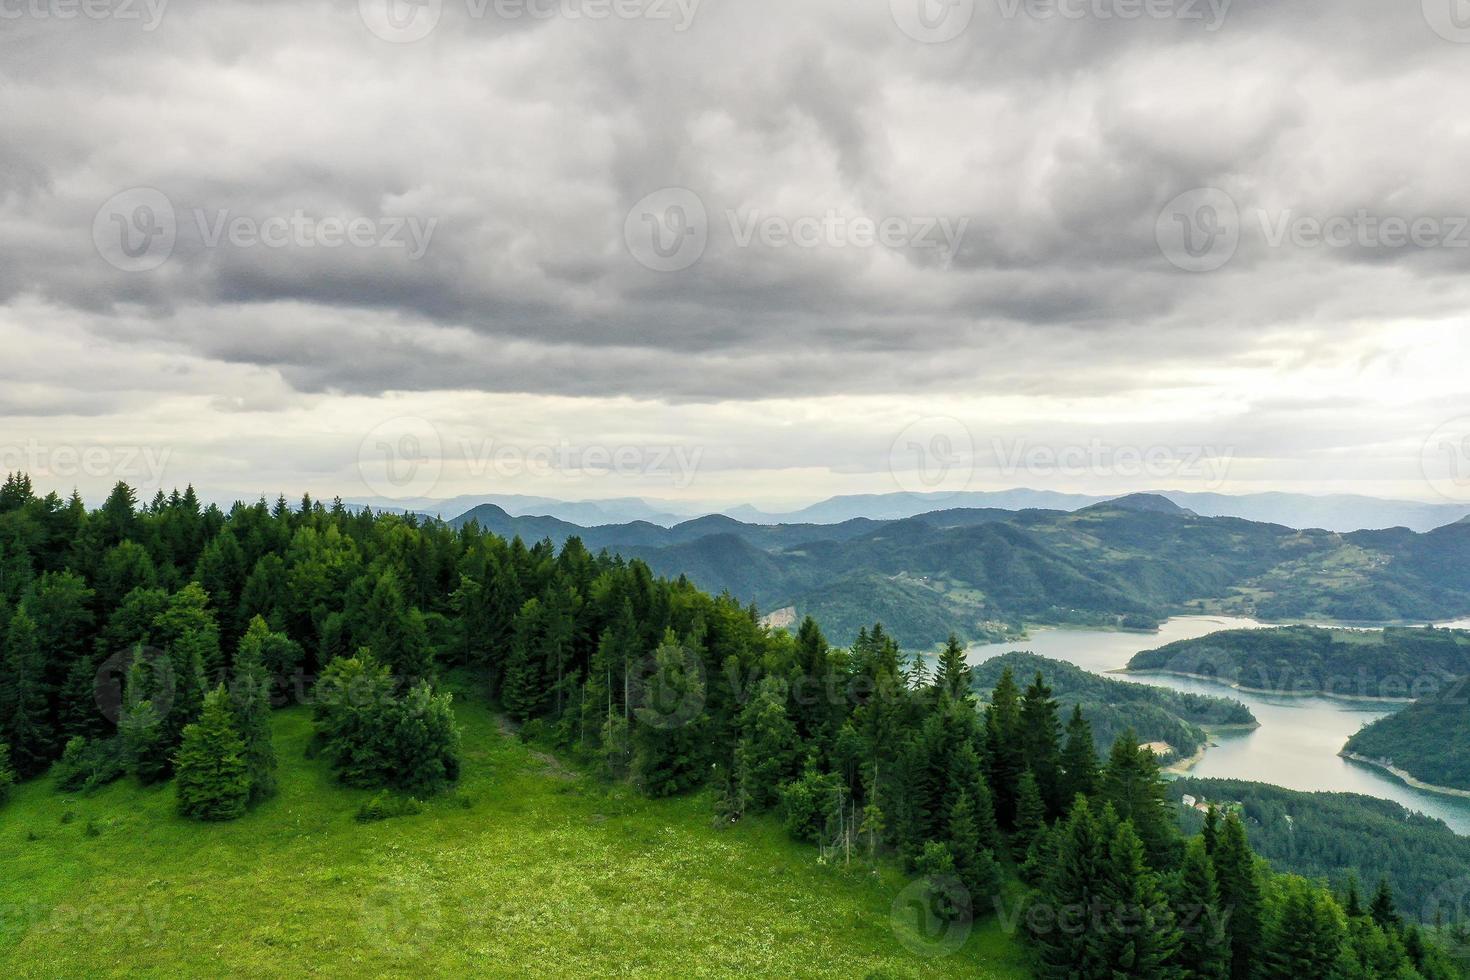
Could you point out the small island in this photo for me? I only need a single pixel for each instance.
(1396, 664)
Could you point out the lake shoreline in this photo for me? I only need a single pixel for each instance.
(1234, 686)
(1405, 777)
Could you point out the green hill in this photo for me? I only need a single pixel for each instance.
(1429, 740)
(1155, 714)
(1336, 836)
(528, 869)
(1399, 662)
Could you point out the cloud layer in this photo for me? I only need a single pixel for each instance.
(776, 232)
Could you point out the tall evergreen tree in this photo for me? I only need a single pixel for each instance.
(25, 722)
(1003, 748)
(1138, 937)
(1030, 815)
(251, 697)
(1204, 947)
(952, 676)
(212, 774)
(1079, 760)
(767, 756)
(1040, 742)
(1131, 782)
(1240, 894)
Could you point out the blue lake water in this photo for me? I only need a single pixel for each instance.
(1299, 738)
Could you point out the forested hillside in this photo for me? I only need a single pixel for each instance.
(1398, 662)
(1341, 837)
(1429, 740)
(157, 644)
(1111, 707)
(983, 573)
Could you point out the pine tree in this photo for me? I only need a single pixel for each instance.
(524, 689)
(1210, 832)
(1138, 938)
(1204, 949)
(669, 751)
(1352, 903)
(1072, 882)
(1079, 760)
(212, 775)
(252, 705)
(25, 722)
(1040, 742)
(766, 757)
(1382, 908)
(1240, 893)
(952, 676)
(974, 862)
(1030, 816)
(1131, 782)
(1305, 935)
(1003, 750)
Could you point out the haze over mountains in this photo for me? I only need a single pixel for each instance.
(1337, 512)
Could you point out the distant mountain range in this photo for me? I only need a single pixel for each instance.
(984, 573)
(1339, 512)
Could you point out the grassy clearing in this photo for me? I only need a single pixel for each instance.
(529, 870)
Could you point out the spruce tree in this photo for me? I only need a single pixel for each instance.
(1382, 908)
(1003, 750)
(1204, 948)
(1064, 951)
(669, 751)
(1030, 816)
(1041, 742)
(25, 722)
(952, 675)
(1305, 935)
(1079, 760)
(1131, 782)
(213, 779)
(251, 697)
(524, 689)
(767, 755)
(1240, 894)
(1138, 937)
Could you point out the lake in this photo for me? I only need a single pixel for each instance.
(1299, 738)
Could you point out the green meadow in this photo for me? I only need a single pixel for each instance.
(529, 868)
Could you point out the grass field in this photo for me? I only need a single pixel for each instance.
(529, 870)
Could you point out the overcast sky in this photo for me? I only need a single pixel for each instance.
(735, 250)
